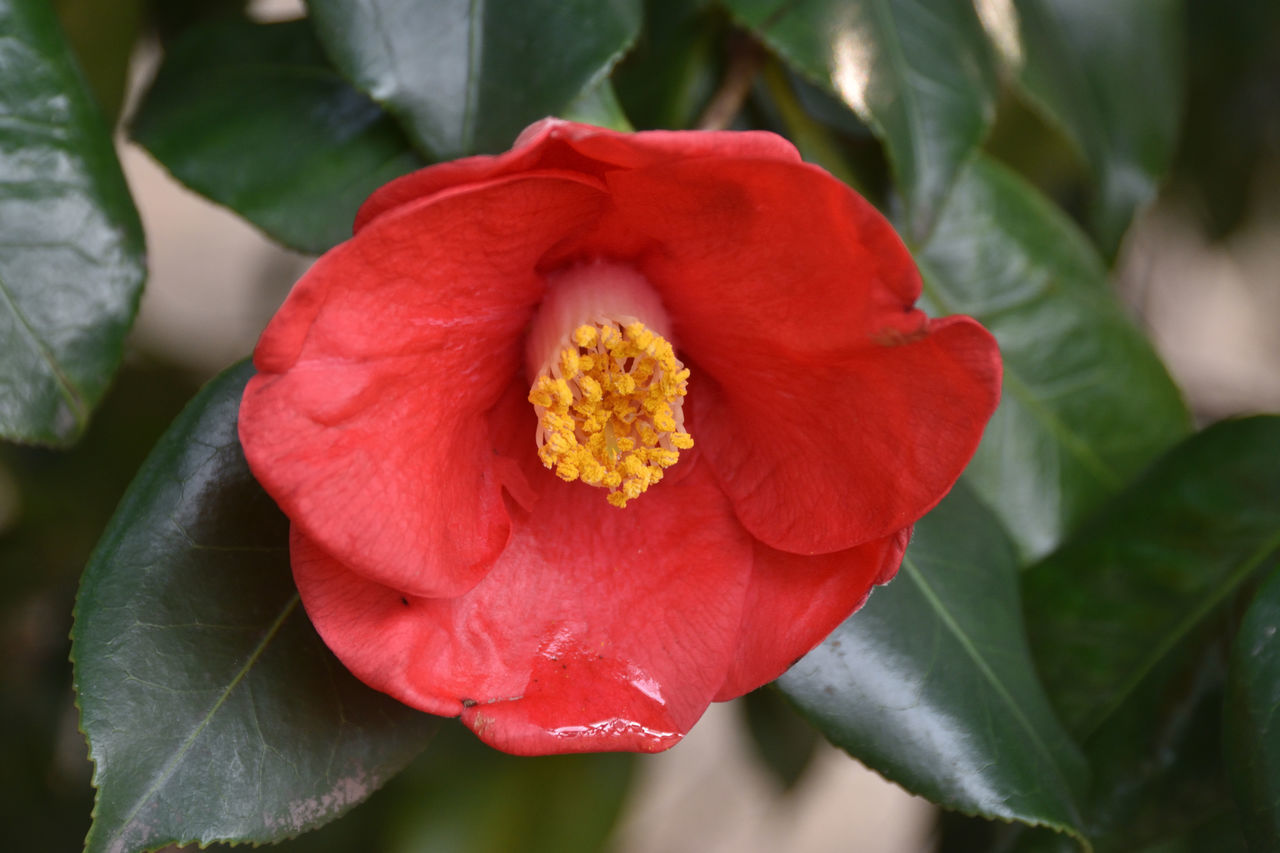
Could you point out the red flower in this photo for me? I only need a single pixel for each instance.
(495, 316)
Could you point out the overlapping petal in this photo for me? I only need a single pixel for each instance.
(557, 144)
(522, 659)
(365, 421)
(833, 412)
(821, 456)
(447, 567)
(794, 602)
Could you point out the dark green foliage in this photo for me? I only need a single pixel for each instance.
(71, 250)
(1087, 402)
(466, 77)
(254, 117)
(921, 73)
(931, 683)
(212, 708)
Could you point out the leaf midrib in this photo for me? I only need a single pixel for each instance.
(65, 387)
(1021, 391)
(980, 662)
(1210, 602)
(171, 767)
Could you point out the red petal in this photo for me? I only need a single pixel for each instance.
(557, 144)
(598, 629)
(365, 422)
(794, 602)
(831, 411)
(821, 458)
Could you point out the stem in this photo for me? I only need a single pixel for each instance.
(746, 57)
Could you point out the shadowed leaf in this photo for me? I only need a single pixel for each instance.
(212, 709)
(253, 117)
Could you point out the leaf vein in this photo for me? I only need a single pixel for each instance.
(171, 767)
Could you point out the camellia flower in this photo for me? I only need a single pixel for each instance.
(580, 438)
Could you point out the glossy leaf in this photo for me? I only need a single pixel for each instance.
(1253, 718)
(920, 72)
(931, 684)
(254, 117)
(466, 77)
(212, 709)
(1087, 402)
(71, 252)
(1111, 75)
(1152, 567)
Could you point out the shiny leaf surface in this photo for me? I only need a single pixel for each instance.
(1153, 566)
(466, 77)
(920, 72)
(1253, 718)
(253, 117)
(950, 709)
(71, 251)
(1111, 75)
(1087, 402)
(212, 709)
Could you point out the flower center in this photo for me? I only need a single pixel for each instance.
(608, 390)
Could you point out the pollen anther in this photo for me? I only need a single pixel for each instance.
(610, 407)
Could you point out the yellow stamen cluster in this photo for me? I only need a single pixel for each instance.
(610, 409)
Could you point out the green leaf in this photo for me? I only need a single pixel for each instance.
(1157, 758)
(1087, 403)
(102, 35)
(667, 79)
(466, 76)
(1253, 718)
(1129, 621)
(71, 250)
(254, 117)
(212, 709)
(1111, 75)
(599, 106)
(1233, 109)
(920, 72)
(1153, 566)
(931, 684)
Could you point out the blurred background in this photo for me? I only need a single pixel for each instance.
(1200, 271)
